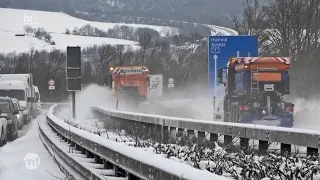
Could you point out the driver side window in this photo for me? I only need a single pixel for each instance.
(15, 107)
(222, 75)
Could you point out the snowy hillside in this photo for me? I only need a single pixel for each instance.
(13, 22)
(16, 19)
(24, 44)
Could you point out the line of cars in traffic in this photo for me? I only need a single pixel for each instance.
(19, 103)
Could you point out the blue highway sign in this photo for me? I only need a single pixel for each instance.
(224, 47)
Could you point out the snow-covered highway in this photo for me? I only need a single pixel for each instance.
(12, 163)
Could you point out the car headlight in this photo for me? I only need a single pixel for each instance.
(25, 111)
(9, 120)
(18, 116)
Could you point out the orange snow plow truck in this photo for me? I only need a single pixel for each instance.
(129, 82)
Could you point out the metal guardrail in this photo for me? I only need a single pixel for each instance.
(71, 162)
(136, 163)
(265, 134)
(47, 105)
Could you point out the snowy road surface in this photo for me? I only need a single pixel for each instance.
(12, 165)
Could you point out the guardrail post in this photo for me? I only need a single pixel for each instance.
(89, 154)
(140, 129)
(190, 133)
(312, 151)
(132, 177)
(77, 147)
(129, 126)
(173, 133)
(158, 133)
(201, 135)
(285, 148)
(263, 147)
(97, 159)
(181, 134)
(107, 164)
(121, 124)
(213, 137)
(83, 151)
(119, 172)
(152, 130)
(244, 145)
(148, 130)
(165, 134)
(227, 140)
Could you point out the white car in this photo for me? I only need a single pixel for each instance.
(19, 116)
(3, 131)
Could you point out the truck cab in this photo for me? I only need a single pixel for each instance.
(129, 81)
(19, 86)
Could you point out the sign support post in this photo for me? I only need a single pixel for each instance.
(52, 86)
(73, 74)
(73, 104)
(215, 81)
(51, 97)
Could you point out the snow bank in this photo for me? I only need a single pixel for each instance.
(172, 167)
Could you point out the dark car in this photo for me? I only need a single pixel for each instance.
(8, 111)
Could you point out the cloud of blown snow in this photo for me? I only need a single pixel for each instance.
(307, 113)
(91, 95)
(193, 102)
(95, 95)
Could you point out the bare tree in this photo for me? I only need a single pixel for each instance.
(119, 51)
(106, 54)
(28, 29)
(144, 40)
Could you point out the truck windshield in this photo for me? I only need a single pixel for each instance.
(4, 107)
(13, 93)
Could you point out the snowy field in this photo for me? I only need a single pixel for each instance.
(25, 43)
(14, 20)
(12, 165)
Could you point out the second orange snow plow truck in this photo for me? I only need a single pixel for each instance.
(255, 87)
(129, 81)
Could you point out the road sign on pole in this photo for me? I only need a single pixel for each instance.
(221, 48)
(170, 83)
(73, 75)
(73, 68)
(51, 84)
